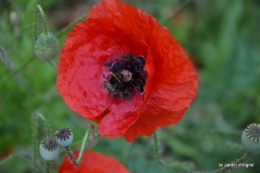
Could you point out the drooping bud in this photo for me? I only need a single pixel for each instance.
(49, 149)
(46, 47)
(251, 138)
(64, 136)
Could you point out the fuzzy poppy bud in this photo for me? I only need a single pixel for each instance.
(49, 149)
(46, 47)
(251, 138)
(14, 18)
(64, 136)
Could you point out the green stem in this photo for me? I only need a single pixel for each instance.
(48, 165)
(34, 126)
(46, 123)
(64, 30)
(186, 166)
(44, 21)
(35, 16)
(84, 143)
(156, 148)
(16, 71)
(36, 116)
(68, 151)
(72, 158)
(182, 6)
(51, 65)
(244, 158)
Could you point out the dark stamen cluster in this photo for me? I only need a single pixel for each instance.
(115, 84)
(63, 133)
(49, 143)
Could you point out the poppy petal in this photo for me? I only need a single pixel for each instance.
(124, 23)
(111, 28)
(155, 113)
(80, 69)
(169, 90)
(92, 162)
(122, 115)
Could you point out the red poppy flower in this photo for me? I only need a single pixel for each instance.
(92, 162)
(123, 70)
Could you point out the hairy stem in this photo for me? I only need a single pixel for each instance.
(16, 71)
(186, 166)
(67, 28)
(59, 34)
(242, 159)
(48, 165)
(156, 148)
(182, 6)
(72, 158)
(68, 150)
(44, 21)
(84, 143)
(34, 128)
(35, 17)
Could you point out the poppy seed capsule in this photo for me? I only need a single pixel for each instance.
(46, 47)
(251, 138)
(49, 149)
(64, 136)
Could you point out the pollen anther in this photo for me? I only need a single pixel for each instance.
(127, 76)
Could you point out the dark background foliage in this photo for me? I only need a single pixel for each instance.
(221, 38)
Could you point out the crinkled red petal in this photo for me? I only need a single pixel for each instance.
(92, 162)
(123, 114)
(83, 170)
(89, 45)
(172, 82)
(170, 89)
(78, 65)
(162, 111)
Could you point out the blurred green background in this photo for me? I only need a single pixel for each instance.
(221, 38)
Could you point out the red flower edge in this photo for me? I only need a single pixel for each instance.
(92, 162)
(112, 28)
(7, 151)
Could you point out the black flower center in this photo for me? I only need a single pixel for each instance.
(126, 77)
(253, 132)
(49, 143)
(63, 133)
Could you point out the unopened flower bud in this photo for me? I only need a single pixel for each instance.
(49, 149)
(47, 47)
(14, 18)
(64, 136)
(251, 138)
